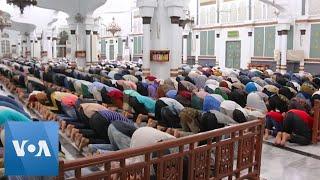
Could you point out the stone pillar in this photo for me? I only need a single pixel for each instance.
(88, 46)
(24, 48)
(146, 21)
(175, 55)
(18, 49)
(185, 49)
(197, 48)
(31, 48)
(49, 49)
(94, 50)
(217, 51)
(73, 40)
(44, 52)
(28, 51)
(284, 41)
(54, 47)
(278, 54)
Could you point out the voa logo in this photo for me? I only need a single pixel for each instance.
(40, 149)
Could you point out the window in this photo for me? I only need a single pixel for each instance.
(290, 38)
(315, 41)
(137, 45)
(207, 41)
(264, 41)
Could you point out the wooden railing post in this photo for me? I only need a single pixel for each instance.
(315, 128)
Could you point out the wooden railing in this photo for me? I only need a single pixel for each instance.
(236, 157)
(316, 123)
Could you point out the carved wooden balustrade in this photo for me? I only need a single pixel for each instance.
(236, 157)
(316, 123)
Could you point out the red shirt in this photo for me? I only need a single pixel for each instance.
(69, 100)
(277, 116)
(303, 116)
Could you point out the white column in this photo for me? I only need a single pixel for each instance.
(44, 53)
(146, 46)
(49, 45)
(73, 44)
(88, 46)
(175, 56)
(94, 45)
(278, 52)
(185, 49)
(24, 47)
(197, 48)
(32, 48)
(54, 47)
(28, 53)
(36, 49)
(18, 49)
(123, 49)
(284, 41)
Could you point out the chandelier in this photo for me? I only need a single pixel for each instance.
(113, 28)
(4, 22)
(22, 3)
(79, 18)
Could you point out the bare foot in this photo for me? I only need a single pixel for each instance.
(84, 142)
(63, 126)
(285, 138)
(141, 118)
(152, 123)
(278, 138)
(170, 131)
(161, 128)
(74, 131)
(266, 134)
(177, 133)
(69, 129)
(78, 139)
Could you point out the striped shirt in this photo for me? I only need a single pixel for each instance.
(114, 116)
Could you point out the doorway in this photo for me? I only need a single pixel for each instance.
(111, 52)
(233, 54)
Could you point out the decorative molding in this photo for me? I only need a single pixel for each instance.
(307, 21)
(146, 20)
(285, 32)
(175, 19)
(238, 25)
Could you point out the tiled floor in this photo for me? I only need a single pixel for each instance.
(279, 164)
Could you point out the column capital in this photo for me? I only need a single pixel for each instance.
(175, 19)
(31, 41)
(279, 33)
(88, 32)
(35, 41)
(185, 36)
(95, 32)
(48, 38)
(54, 38)
(73, 32)
(285, 32)
(182, 23)
(146, 20)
